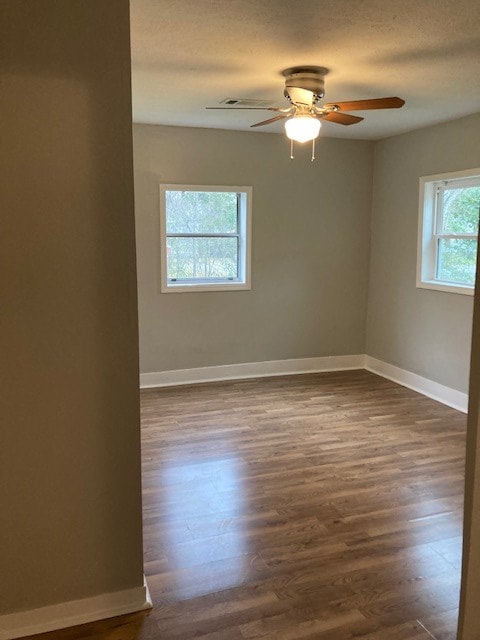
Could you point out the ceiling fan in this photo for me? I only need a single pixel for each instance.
(304, 87)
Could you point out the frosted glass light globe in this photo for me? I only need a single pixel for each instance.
(302, 128)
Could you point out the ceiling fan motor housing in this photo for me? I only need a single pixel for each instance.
(307, 78)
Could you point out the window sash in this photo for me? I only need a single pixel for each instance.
(438, 257)
(220, 234)
(440, 188)
(208, 280)
(236, 235)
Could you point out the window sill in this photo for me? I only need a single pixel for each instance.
(448, 287)
(198, 288)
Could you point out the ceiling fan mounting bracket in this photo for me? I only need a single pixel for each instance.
(319, 71)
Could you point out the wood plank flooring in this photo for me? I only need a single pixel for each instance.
(320, 506)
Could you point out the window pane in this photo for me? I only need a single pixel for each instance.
(461, 210)
(201, 258)
(457, 260)
(201, 212)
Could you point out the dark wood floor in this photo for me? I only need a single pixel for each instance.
(322, 506)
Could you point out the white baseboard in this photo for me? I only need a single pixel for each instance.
(251, 370)
(69, 614)
(427, 387)
(434, 390)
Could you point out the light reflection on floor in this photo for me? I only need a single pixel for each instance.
(207, 498)
(447, 553)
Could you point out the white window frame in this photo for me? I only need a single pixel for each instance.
(243, 282)
(430, 224)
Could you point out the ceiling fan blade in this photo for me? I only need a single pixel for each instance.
(248, 108)
(365, 105)
(260, 124)
(340, 118)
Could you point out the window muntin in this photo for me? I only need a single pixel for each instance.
(205, 237)
(448, 231)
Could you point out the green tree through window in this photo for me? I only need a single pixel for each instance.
(457, 252)
(210, 253)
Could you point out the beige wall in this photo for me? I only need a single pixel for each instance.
(469, 620)
(70, 517)
(309, 256)
(424, 331)
(309, 281)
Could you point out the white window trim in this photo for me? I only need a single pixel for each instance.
(426, 246)
(245, 249)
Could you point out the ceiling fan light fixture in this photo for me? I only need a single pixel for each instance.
(302, 128)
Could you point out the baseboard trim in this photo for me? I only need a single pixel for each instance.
(436, 391)
(69, 614)
(251, 370)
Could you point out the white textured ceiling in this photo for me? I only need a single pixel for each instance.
(190, 54)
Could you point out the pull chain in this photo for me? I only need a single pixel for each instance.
(292, 150)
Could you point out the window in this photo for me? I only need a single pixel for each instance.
(448, 231)
(205, 238)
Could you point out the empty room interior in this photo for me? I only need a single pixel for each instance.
(241, 339)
